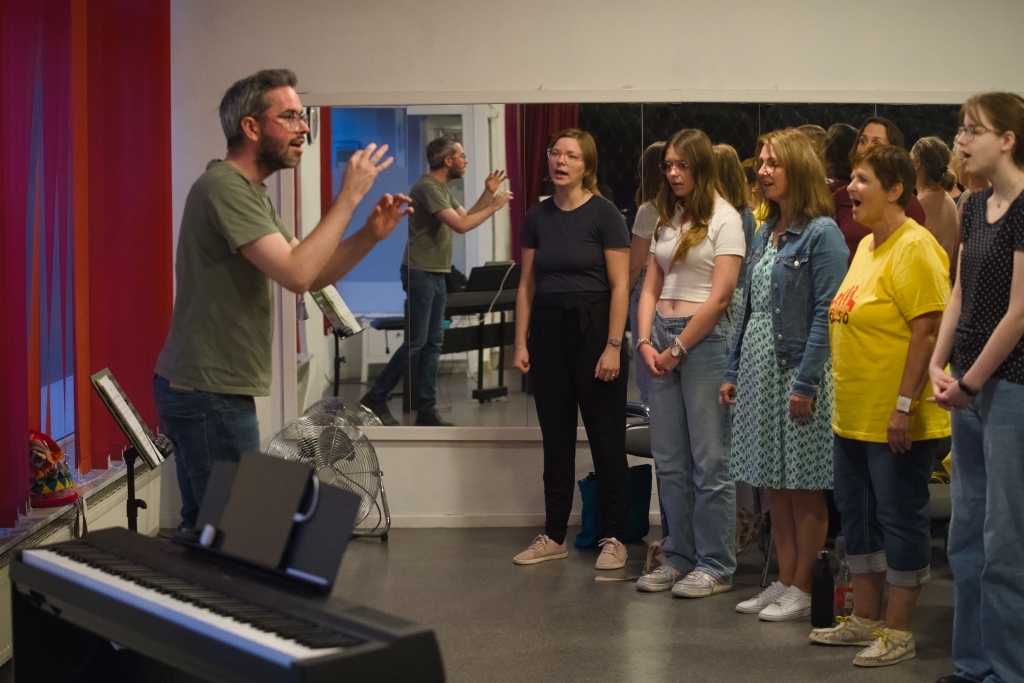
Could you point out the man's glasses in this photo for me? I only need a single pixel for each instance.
(294, 120)
(667, 166)
(571, 157)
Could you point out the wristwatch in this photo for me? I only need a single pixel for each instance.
(615, 342)
(904, 404)
(678, 350)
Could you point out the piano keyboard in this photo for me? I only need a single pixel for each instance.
(280, 638)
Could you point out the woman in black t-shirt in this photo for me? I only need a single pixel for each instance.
(981, 337)
(570, 315)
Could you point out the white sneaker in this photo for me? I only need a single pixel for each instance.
(793, 604)
(699, 584)
(661, 579)
(890, 647)
(762, 599)
(850, 630)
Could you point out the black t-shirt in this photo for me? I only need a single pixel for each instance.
(986, 270)
(570, 244)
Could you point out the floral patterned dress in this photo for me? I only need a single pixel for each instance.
(769, 448)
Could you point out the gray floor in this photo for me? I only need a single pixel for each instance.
(552, 622)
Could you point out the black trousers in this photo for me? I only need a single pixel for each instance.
(568, 334)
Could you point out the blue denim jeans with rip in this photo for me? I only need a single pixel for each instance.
(986, 534)
(690, 435)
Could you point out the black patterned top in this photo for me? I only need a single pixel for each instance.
(986, 271)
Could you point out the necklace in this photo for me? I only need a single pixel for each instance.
(999, 203)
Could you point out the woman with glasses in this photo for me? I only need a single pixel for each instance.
(695, 259)
(570, 316)
(883, 324)
(779, 373)
(981, 337)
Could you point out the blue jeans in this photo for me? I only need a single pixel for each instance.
(986, 534)
(427, 296)
(643, 375)
(205, 428)
(883, 500)
(690, 435)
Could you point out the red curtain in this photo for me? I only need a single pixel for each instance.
(86, 220)
(530, 128)
(129, 173)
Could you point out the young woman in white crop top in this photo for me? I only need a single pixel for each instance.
(684, 331)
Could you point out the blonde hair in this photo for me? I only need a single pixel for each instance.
(732, 181)
(589, 149)
(934, 157)
(805, 175)
(694, 147)
(817, 135)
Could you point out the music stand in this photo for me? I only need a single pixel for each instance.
(343, 323)
(132, 426)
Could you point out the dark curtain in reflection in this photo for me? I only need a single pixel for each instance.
(528, 130)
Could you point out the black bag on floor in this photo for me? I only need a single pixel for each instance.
(638, 522)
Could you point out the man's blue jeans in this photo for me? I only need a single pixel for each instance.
(986, 535)
(428, 294)
(205, 428)
(690, 434)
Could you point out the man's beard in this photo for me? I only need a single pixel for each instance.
(271, 157)
(455, 174)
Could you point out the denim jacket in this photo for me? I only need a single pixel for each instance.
(810, 264)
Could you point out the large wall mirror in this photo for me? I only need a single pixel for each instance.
(476, 385)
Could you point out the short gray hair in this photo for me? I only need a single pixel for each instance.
(438, 150)
(247, 97)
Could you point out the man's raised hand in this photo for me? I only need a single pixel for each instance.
(388, 212)
(494, 180)
(362, 169)
(500, 200)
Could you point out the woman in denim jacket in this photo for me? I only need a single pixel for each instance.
(782, 435)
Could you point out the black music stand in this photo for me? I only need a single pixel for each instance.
(132, 426)
(343, 323)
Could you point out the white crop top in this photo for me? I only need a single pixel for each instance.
(691, 279)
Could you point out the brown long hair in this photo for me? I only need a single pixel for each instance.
(651, 177)
(694, 147)
(804, 173)
(732, 181)
(1005, 111)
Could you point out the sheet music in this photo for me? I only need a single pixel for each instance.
(337, 311)
(128, 417)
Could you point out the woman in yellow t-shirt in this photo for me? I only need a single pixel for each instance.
(883, 325)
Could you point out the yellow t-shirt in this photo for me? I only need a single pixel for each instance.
(885, 288)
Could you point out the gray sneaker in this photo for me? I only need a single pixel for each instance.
(699, 584)
(661, 579)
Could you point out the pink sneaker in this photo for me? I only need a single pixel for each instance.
(613, 554)
(541, 550)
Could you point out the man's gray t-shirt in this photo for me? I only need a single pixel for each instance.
(221, 329)
(430, 241)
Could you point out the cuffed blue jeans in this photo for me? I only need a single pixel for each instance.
(690, 435)
(986, 535)
(883, 501)
(427, 294)
(205, 427)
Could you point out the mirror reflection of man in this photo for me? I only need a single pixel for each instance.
(232, 244)
(426, 262)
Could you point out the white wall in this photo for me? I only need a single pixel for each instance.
(467, 51)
